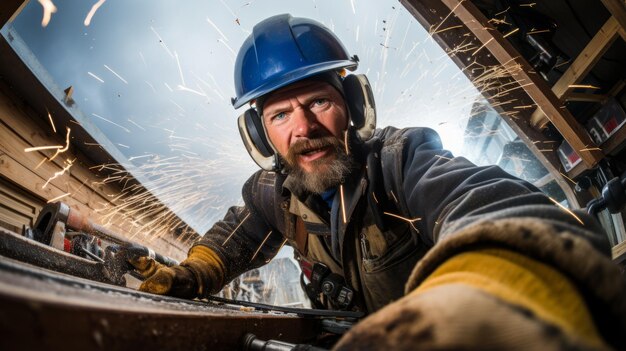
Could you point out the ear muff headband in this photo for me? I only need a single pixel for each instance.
(360, 102)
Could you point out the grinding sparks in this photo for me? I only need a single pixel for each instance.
(583, 86)
(567, 210)
(115, 73)
(409, 220)
(95, 77)
(68, 165)
(54, 128)
(113, 123)
(92, 12)
(63, 149)
(343, 206)
(260, 246)
(234, 230)
(58, 198)
(39, 148)
(48, 10)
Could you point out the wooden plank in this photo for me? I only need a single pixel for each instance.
(9, 9)
(619, 252)
(617, 8)
(534, 85)
(587, 58)
(449, 34)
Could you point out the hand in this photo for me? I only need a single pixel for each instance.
(178, 281)
(485, 299)
(201, 274)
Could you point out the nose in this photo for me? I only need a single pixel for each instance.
(305, 123)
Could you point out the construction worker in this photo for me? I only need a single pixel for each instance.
(443, 254)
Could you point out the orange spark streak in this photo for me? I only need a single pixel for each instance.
(343, 208)
(538, 31)
(92, 12)
(410, 221)
(54, 128)
(48, 10)
(567, 210)
(58, 198)
(59, 173)
(583, 86)
(37, 148)
(260, 246)
(568, 178)
(511, 32)
(234, 230)
(67, 145)
(482, 46)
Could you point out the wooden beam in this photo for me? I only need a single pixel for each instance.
(515, 106)
(534, 85)
(587, 58)
(617, 8)
(9, 9)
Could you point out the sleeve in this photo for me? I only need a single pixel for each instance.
(463, 207)
(248, 236)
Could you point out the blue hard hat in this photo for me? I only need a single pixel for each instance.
(282, 50)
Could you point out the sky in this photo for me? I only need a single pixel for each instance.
(156, 77)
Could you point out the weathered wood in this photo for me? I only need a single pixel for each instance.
(587, 58)
(449, 32)
(534, 85)
(617, 8)
(10, 8)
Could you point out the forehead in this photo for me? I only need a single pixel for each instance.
(299, 89)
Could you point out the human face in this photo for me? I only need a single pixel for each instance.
(302, 118)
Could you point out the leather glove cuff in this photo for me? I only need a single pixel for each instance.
(207, 269)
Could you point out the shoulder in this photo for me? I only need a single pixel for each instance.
(392, 136)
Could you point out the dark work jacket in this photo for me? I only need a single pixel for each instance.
(406, 196)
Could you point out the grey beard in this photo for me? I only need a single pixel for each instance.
(319, 181)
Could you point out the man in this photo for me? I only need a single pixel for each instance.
(485, 259)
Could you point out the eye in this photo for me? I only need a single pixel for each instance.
(278, 117)
(320, 102)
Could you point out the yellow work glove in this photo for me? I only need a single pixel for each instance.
(486, 299)
(201, 274)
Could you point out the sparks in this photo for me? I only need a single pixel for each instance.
(115, 73)
(234, 230)
(409, 220)
(58, 198)
(48, 10)
(69, 164)
(92, 12)
(95, 77)
(343, 208)
(511, 32)
(260, 246)
(38, 148)
(54, 128)
(567, 210)
(583, 86)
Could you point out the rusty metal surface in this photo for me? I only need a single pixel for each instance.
(15, 246)
(41, 309)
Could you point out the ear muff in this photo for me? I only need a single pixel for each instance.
(253, 136)
(360, 101)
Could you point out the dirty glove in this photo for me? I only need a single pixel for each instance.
(201, 274)
(485, 299)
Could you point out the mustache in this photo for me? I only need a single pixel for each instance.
(305, 145)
